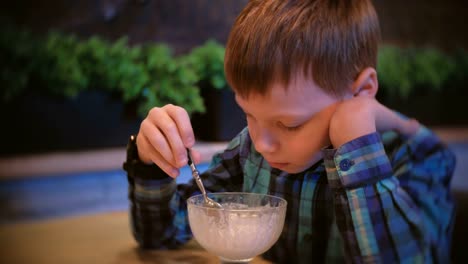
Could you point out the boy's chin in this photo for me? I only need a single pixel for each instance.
(299, 169)
(294, 170)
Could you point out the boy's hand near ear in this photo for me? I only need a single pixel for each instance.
(363, 115)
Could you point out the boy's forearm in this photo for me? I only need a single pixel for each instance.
(151, 215)
(361, 116)
(150, 193)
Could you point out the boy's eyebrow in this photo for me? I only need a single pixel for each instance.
(289, 117)
(294, 117)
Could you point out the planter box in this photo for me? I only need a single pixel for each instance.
(443, 108)
(36, 123)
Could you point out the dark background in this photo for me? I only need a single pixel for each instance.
(97, 121)
(185, 23)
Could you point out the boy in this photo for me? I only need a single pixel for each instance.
(363, 184)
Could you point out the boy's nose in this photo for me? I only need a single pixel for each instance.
(266, 142)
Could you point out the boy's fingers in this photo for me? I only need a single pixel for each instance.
(142, 144)
(165, 166)
(409, 127)
(196, 155)
(387, 119)
(155, 157)
(157, 141)
(168, 128)
(184, 126)
(171, 133)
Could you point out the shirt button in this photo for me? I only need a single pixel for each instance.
(346, 164)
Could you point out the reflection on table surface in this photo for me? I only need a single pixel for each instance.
(102, 238)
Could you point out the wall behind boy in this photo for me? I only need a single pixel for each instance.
(181, 23)
(439, 23)
(184, 23)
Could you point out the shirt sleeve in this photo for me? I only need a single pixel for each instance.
(393, 207)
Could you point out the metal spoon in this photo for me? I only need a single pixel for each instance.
(196, 175)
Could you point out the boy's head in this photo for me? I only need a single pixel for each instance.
(329, 41)
(290, 63)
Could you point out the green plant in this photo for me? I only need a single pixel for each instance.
(174, 82)
(208, 62)
(61, 72)
(64, 65)
(20, 59)
(402, 71)
(460, 77)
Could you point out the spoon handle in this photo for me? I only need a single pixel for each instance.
(195, 173)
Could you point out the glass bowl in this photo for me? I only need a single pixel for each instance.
(247, 225)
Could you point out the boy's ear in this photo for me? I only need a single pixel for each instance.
(366, 84)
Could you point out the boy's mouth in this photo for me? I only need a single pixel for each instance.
(278, 165)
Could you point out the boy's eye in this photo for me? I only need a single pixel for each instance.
(290, 128)
(294, 128)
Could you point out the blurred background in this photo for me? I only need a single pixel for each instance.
(78, 76)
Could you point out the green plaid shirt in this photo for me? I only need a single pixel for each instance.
(380, 198)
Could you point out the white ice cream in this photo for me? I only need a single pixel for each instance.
(236, 234)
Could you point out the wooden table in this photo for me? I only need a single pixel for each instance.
(103, 238)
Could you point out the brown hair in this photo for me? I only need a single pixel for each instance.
(329, 40)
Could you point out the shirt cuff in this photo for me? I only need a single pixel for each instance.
(359, 162)
(156, 190)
